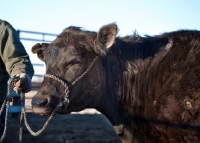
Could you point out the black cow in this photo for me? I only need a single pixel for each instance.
(148, 87)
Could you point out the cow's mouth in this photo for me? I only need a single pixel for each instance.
(62, 112)
(44, 114)
(43, 111)
(44, 107)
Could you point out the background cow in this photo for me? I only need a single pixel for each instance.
(148, 87)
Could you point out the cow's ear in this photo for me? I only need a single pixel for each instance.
(105, 38)
(39, 49)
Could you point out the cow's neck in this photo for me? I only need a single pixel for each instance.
(113, 113)
(117, 118)
(124, 70)
(110, 104)
(120, 73)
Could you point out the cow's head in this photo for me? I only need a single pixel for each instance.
(67, 58)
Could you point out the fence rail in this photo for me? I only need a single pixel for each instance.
(38, 65)
(36, 33)
(41, 37)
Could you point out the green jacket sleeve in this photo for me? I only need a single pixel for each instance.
(12, 52)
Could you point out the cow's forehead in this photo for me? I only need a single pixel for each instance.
(62, 47)
(74, 38)
(76, 33)
(72, 41)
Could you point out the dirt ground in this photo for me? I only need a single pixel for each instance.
(84, 127)
(74, 128)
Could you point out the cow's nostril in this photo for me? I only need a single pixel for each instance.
(43, 102)
(39, 102)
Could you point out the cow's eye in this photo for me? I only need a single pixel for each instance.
(76, 61)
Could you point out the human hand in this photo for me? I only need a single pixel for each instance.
(24, 83)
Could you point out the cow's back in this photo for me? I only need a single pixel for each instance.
(168, 90)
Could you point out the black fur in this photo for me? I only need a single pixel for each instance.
(148, 87)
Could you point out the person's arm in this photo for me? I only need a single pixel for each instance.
(14, 55)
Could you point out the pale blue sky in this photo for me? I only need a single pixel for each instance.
(146, 16)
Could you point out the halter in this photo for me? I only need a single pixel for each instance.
(66, 99)
(23, 113)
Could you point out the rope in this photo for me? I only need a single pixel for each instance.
(23, 114)
(66, 100)
(83, 74)
(6, 103)
(89, 67)
(23, 117)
